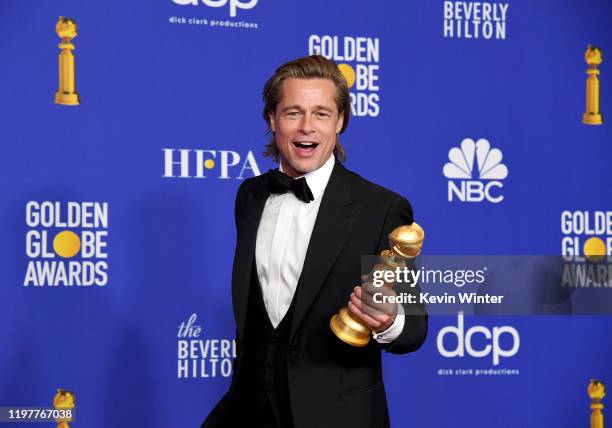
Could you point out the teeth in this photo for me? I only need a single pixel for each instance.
(305, 143)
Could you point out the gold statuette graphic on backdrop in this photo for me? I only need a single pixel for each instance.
(593, 58)
(596, 392)
(66, 28)
(405, 243)
(64, 401)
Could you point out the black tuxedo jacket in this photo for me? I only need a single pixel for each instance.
(331, 384)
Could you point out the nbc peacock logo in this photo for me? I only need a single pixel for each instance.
(475, 172)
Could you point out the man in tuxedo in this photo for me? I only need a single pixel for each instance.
(301, 232)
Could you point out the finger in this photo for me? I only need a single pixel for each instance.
(364, 305)
(356, 300)
(375, 313)
(381, 313)
(359, 304)
(374, 307)
(374, 322)
(366, 319)
(371, 289)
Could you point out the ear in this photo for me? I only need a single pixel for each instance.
(340, 122)
(272, 122)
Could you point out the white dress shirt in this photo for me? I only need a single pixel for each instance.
(282, 240)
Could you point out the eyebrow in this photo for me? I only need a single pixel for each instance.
(298, 107)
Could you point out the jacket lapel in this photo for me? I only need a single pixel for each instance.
(334, 222)
(245, 250)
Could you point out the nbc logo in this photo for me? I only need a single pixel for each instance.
(475, 158)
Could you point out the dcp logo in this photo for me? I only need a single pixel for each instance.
(234, 5)
(464, 341)
(461, 167)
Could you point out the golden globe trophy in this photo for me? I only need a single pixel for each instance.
(405, 243)
(592, 116)
(64, 400)
(66, 28)
(597, 392)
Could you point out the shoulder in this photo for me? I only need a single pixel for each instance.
(372, 193)
(252, 184)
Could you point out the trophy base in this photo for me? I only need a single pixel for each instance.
(349, 330)
(67, 98)
(592, 119)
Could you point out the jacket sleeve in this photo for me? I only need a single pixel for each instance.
(415, 325)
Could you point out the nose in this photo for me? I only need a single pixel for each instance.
(307, 125)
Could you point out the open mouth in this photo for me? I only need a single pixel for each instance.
(305, 144)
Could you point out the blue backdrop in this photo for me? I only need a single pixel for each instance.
(169, 126)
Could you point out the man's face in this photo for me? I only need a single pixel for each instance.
(305, 124)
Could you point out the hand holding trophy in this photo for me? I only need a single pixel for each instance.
(405, 244)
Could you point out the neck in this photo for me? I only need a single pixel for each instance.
(288, 169)
(293, 173)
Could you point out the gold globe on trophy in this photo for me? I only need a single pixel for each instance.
(597, 392)
(66, 28)
(593, 58)
(64, 400)
(405, 243)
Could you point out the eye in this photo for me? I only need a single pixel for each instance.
(322, 115)
(292, 114)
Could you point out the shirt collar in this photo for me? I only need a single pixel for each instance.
(317, 180)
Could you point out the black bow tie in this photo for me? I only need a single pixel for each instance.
(280, 182)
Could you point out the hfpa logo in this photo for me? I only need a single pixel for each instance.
(463, 162)
(223, 164)
(465, 345)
